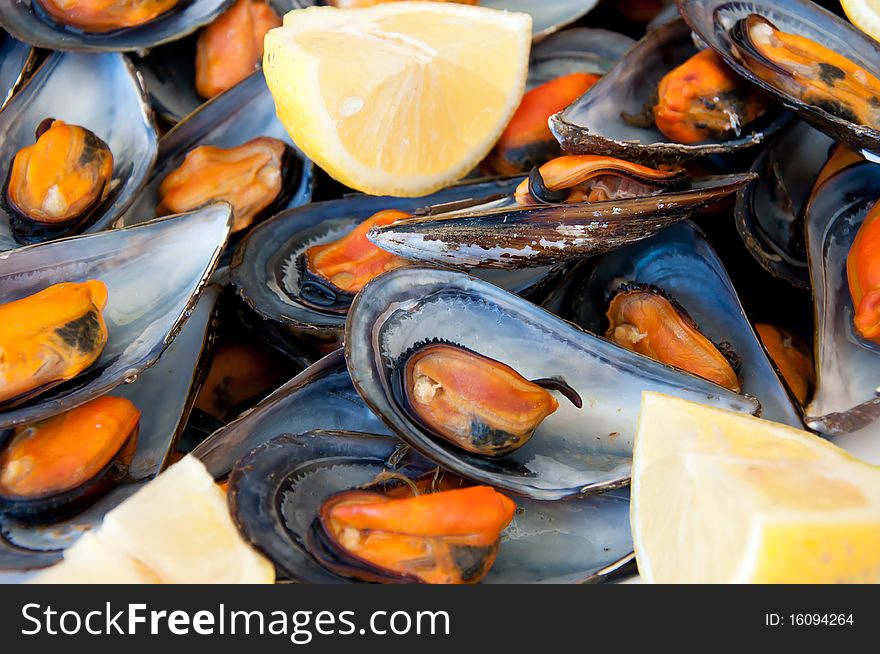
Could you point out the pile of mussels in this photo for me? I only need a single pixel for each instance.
(441, 389)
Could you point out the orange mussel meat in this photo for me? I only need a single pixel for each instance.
(231, 48)
(703, 99)
(593, 178)
(792, 358)
(643, 320)
(50, 337)
(69, 451)
(448, 537)
(105, 15)
(863, 275)
(332, 273)
(250, 177)
(527, 140)
(808, 71)
(62, 177)
(477, 403)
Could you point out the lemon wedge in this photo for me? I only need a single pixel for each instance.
(721, 497)
(864, 14)
(398, 99)
(176, 529)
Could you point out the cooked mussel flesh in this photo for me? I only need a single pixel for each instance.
(250, 177)
(476, 403)
(791, 357)
(60, 179)
(527, 140)
(703, 99)
(807, 70)
(863, 275)
(231, 48)
(69, 458)
(105, 15)
(447, 537)
(593, 178)
(331, 274)
(50, 337)
(642, 319)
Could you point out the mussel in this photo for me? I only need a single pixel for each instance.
(791, 356)
(815, 63)
(60, 180)
(527, 140)
(277, 491)
(643, 319)
(808, 71)
(665, 101)
(703, 99)
(251, 177)
(104, 15)
(593, 178)
(231, 48)
(62, 176)
(573, 451)
(863, 275)
(332, 273)
(50, 337)
(153, 274)
(477, 403)
(164, 395)
(447, 537)
(67, 459)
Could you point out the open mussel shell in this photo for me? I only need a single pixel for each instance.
(275, 493)
(847, 366)
(266, 274)
(575, 50)
(101, 93)
(547, 17)
(712, 20)
(244, 112)
(17, 61)
(153, 274)
(27, 21)
(505, 235)
(164, 394)
(769, 211)
(169, 74)
(574, 451)
(320, 397)
(602, 120)
(681, 263)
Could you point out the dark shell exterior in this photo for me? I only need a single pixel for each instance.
(266, 276)
(510, 237)
(320, 397)
(769, 211)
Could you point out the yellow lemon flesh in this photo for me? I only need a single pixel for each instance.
(401, 98)
(176, 529)
(722, 497)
